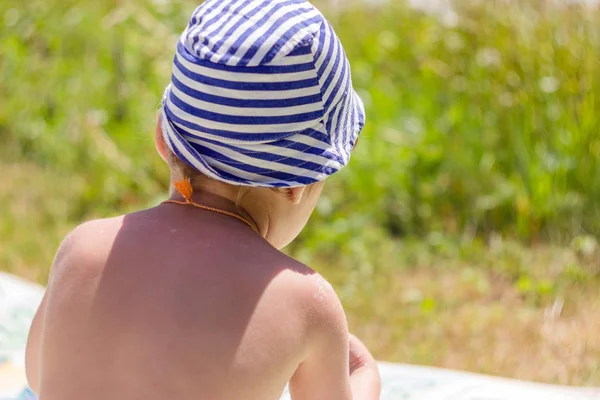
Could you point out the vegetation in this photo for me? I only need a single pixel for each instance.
(464, 233)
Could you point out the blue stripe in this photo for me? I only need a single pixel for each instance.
(185, 144)
(283, 176)
(254, 137)
(337, 134)
(352, 119)
(316, 135)
(260, 69)
(338, 85)
(329, 121)
(206, 36)
(319, 51)
(343, 121)
(251, 86)
(249, 15)
(248, 32)
(234, 13)
(243, 103)
(260, 42)
(250, 137)
(217, 18)
(303, 47)
(200, 20)
(245, 120)
(327, 59)
(261, 155)
(199, 158)
(307, 149)
(201, 9)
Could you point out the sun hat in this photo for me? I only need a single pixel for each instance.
(261, 95)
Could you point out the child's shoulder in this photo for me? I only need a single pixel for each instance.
(90, 234)
(86, 244)
(312, 293)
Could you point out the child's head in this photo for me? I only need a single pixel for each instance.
(261, 98)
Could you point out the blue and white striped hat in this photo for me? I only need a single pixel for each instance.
(261, 95)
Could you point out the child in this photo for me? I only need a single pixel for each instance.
(192, 299)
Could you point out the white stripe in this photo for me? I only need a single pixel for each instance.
(285, 152)
(347, 129)
(193, 132)
(325, 51)
(220, 13)
(200, 9)
(245, 94)
(354, 127)
(250, 128)
(245, 77)
(278, 33)
(229, 24)
(343, 81)
(293, 60)
(335, 132)
(259, 163)
(288, 46)
(216, 27)
(236, 34)
(260, 180)
(245, 112)
(300, 138)
(205, 18)
(329, 67)
(258, 33)
(289, 152)
(303, 138)
(189, 157)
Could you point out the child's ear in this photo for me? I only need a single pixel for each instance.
(159, 140)
(295, 194)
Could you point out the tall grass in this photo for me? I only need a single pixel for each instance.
(489, 122)
(483, 121)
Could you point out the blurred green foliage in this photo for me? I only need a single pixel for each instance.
(483, 121)
(487, 120)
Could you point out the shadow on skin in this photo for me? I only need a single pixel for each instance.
(175, 295)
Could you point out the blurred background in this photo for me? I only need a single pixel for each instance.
(465, 232)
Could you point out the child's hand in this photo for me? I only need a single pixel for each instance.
(359, 354)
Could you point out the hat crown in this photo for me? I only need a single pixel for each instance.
(251, 33)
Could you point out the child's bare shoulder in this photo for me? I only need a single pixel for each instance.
(85, 246)
(90, 236)
(314, 294)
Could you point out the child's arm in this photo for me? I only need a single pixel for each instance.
(324, 375)
(364, 374)
(33, 347)
(32, 351)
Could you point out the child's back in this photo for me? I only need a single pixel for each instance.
(177, 303)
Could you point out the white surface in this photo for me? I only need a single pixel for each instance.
(19, 300)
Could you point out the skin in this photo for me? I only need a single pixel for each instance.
(179, 302)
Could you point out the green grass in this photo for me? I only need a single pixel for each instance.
(463, 234)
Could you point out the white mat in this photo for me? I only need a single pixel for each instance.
(19, 300)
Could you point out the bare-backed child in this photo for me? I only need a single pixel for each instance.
(193, 299)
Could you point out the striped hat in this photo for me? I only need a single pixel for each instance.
(261, 95)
